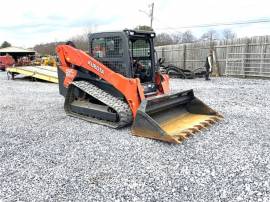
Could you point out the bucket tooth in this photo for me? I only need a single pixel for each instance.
(185, 135)
(205, 124)
(193, 129)
(199, 127)
(180, 136)
(220, 116)
(199, 130)
(208, 122)
(178, 139)
(212, 121)
(188, 132)
(217, 118)
(196, 129)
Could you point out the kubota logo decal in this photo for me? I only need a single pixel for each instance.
(99, 69)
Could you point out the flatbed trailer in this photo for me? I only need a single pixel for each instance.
(46, 73)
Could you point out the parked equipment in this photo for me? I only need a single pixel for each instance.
(176, 72)
(6, 61)
(199, 72)
(35, 67)
(23, 61)
(44, 61)
(48, 61)
(120, 83)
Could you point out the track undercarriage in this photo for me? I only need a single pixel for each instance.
(88, 102)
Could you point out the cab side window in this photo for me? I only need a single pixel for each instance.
(109, 47)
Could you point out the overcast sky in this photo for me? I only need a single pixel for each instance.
(29, 22)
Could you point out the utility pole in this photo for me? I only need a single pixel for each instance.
(152, 15)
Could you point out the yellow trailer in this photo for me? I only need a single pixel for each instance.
(46, 73)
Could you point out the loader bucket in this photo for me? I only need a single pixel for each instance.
(173, 118)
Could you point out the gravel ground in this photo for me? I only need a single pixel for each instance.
(45, 155)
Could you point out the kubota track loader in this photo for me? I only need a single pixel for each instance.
(119, 84)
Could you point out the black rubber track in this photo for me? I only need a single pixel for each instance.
(121, 107)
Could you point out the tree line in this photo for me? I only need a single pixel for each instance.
(188, 37)
(81, 41)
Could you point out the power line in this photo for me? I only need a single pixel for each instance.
(266, 20)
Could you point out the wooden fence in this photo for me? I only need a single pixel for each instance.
(247, 57)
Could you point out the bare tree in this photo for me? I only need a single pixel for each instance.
(163, 39)
(188, 37)
(228, 34)
(210, 35)
(81, 40)
(47, 48)
(177, 37)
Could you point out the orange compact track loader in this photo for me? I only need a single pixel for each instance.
(120, 84)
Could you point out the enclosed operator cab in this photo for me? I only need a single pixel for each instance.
(129, 52)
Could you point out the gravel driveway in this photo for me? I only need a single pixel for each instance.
(46, 155)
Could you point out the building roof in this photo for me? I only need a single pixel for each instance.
(13, 49)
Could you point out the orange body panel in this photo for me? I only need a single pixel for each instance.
(131, 88)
